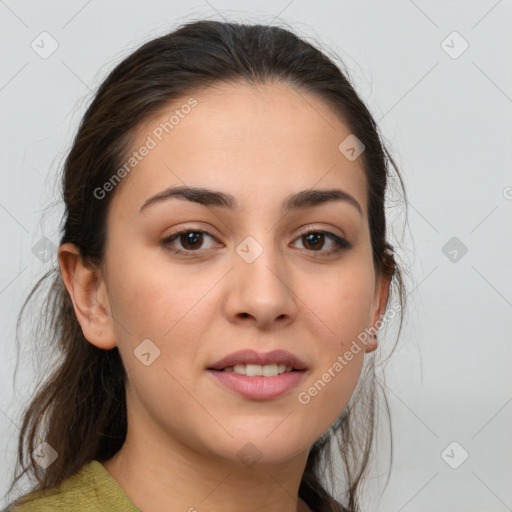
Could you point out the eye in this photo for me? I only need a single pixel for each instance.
(190, 239)
(316, 239)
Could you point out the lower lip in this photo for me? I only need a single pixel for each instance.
(259, 388)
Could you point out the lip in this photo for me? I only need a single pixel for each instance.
(253, 357)
(259, 388)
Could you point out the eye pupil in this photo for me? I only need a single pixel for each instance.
(192, 237)
(315, 237)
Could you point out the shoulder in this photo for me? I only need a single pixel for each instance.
(38, 501)
(91, 489)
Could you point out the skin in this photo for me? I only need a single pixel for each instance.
(185, 429)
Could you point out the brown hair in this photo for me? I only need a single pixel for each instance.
(80, 408)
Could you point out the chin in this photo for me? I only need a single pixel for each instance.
(266, 446)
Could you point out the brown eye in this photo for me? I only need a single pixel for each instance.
(191, 240)
(314, 241)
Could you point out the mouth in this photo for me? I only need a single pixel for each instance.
(258, 370)
(259, 376)
(255, 364)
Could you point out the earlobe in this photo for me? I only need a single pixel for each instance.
(371, 344)
(85, 287)
(382, 291)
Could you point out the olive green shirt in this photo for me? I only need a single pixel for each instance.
(92, 489)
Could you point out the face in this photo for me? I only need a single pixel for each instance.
(247, 276)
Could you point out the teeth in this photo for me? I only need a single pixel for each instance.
(269, 370)
(239, 368)
(253, 370)
(257, 370)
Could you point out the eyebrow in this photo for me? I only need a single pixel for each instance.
(207, 197)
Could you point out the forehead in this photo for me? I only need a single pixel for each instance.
(258, 143)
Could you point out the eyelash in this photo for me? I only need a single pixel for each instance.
(341, 243)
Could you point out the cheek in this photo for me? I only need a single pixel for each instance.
(161, 402)
(173, 308)
(152, 299)
(328, 392)
(339, 312)
(339, 307)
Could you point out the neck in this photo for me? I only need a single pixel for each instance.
(158, 474)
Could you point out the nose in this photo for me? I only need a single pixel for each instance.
(261, 287)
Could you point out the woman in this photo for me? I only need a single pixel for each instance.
(223, 272)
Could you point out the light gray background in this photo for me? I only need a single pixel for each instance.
(448, 121)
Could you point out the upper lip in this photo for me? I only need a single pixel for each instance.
(253, 357)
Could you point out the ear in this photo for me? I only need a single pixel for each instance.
(87, 290)
(381, 295)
